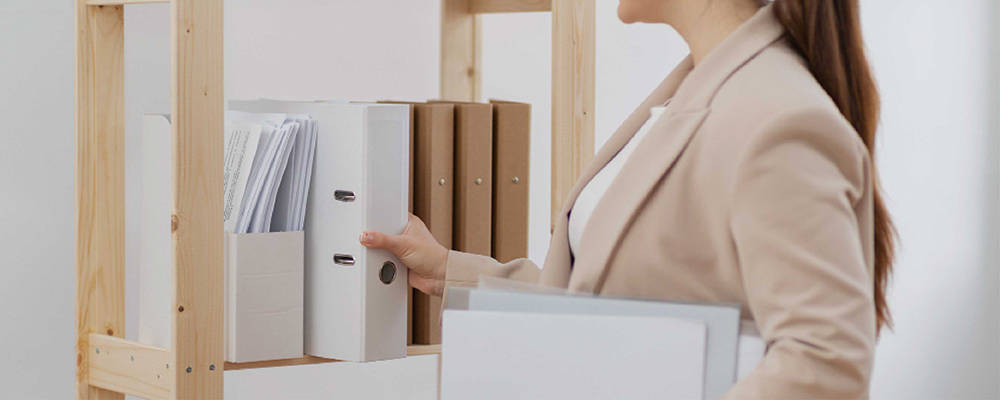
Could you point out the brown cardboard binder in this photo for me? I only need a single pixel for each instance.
(473, 178)
(511, 167)
(433, 197)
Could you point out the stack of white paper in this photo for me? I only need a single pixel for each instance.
(290, 203)
(268, 165)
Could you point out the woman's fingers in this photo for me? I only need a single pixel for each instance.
(425, 258)
(379, 240)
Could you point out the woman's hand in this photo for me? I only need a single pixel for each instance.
(418, 250)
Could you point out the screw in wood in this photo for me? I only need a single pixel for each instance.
(515, 179)
(188, 370)
(479, 181)
(98, 351)
(441, 182)
(180, 309)
(211, 367)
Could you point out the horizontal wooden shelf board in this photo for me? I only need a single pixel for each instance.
(129, 367)
(412, 350)
(122, 2)
(422, 349)
(509, 6)
(475, 6)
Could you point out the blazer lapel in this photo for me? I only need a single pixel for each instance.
(624, 133)
(658, 152)
(558, 260)
(644, 170)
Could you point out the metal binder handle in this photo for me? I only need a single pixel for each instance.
(344, 195)
(343, 259)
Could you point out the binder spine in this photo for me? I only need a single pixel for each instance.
(511, 173)
(386, 176)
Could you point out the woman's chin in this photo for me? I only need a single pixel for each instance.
(625, 16)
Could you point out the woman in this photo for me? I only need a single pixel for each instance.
(753, 183)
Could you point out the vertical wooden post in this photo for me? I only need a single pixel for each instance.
(461, 54)
(573, 49)
(100, 183)
(197, 108)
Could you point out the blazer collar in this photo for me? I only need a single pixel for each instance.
(690, 91)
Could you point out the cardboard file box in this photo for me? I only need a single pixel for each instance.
(264, 296)
(355, 298)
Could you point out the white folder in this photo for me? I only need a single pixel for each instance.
(732, 350)
(526, 355)
(355, 298)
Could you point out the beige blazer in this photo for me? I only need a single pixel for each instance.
(751, 189)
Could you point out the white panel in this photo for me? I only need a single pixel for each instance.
(407, 378)
(264, 296)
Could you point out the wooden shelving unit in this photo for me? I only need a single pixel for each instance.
(109, 366)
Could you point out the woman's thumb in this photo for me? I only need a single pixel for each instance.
(379, 240)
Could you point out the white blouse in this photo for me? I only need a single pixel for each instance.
(595, 189)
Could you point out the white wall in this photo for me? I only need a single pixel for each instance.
(936, 62)
(37, 358)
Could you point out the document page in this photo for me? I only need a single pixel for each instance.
(293, 189)
(241, 139)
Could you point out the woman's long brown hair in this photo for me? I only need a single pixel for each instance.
(828, 34)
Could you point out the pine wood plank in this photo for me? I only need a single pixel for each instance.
(411, 350)
(122, 2)
(573, 48)
(305, 360)
(509, 6)
(423, 350)
(100, 184)
(197, 108)
(129, 367)
(461, 54)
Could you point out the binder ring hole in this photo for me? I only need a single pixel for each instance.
(343, 259)
(344, 195)
(387, 273)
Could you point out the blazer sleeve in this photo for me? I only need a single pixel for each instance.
(464, 269)
(801, 224)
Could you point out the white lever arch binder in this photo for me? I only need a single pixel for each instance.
(355, 298)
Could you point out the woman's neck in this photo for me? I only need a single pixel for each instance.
(704, 25)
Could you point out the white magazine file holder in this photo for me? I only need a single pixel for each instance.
(264, 271)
